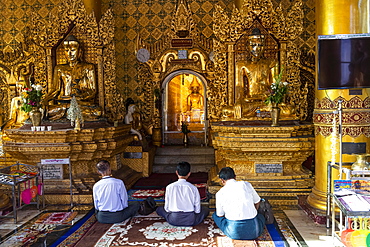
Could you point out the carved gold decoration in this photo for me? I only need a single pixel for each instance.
(164, 60)
(285, 24)
(84, 147)
(355, 116)
(43, 34)
(242, 146)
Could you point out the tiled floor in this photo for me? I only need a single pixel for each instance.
(314, 235)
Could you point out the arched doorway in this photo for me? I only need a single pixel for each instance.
(184, 101)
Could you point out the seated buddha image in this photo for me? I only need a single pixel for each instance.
(133, 116)
(17, 117)
(195, 98)
(75, 78)
(195, 101)
(257, 76)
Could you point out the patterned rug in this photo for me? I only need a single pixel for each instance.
(152, 230)
(44, 229)
(155, 231)
(60, 218)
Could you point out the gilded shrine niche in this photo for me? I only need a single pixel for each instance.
(253, 44)
(180, 69)
(185, 103)
(95, 139)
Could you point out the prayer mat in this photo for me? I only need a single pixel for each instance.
(146, 193)
(155, 231)
(158, 195)
(56, 218)
(132, 198)
(159, 181)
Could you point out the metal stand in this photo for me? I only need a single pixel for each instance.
(8, 177)
(47, 162)
(339, 111)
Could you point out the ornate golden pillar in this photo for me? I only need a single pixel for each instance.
(93, 5)
(338, 17)
(231, 71)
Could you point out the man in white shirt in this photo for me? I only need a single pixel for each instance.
(236, 208)
(110, 197)
(182, 201)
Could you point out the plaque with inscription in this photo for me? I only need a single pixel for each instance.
(269, 168)
(181, 43)
(53, 171)
(53, 168)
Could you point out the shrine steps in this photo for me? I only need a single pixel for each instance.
(201, 158)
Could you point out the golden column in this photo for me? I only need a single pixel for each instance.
(338, 17)
(93, 5)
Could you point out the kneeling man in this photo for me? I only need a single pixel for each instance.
(182, 201)
(110, 197)
(236, 208)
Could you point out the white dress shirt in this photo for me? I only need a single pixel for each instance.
(110, 194)
(236, 200)
(182, 196)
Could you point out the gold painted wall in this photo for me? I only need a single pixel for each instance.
(150, 18)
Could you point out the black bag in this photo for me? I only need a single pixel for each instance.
(265, 209)
(147, 206)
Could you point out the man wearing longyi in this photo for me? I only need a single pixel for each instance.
(182, 201)
(236, 208)
(110, 197)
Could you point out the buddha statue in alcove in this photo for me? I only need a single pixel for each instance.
(75, 78)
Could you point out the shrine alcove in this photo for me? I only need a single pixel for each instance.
(184, 102)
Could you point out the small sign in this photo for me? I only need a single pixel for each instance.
(52, 171)
(269, 168)
(53, 168)
(181, 43)
(54, 161)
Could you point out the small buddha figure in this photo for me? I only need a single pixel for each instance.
(17, 117)
(195, 99)
(134, 118)
(75, 78)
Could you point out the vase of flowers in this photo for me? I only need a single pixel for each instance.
(185, 130)
(276, 95)
(32, 103)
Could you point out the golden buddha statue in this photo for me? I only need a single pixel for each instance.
(257, 77)
(195, 99)
(76, 78)
(258, 74)
(17, 117)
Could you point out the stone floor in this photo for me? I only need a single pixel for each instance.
(315, 235)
